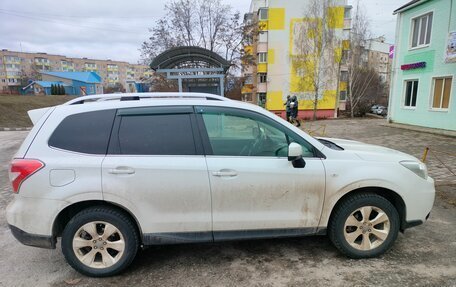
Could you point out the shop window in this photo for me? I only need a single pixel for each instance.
(411, 89)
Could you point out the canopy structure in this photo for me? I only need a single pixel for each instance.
(199, 69)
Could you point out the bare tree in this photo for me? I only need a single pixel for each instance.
(314, 51)
(360, 76)
(209, 24)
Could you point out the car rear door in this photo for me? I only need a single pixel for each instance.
(155, 167)
(256, 191)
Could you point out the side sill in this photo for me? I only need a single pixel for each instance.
(29, 239)
(231, 235)
(262, 233)
(176, 238)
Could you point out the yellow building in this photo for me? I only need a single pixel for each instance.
(278, 68)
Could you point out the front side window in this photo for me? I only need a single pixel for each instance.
(157, 134)
(421, 30)
(84, 132)
(441, 93)
(234, 134)
(411, 89)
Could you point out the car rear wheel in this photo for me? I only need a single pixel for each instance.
(364, 225)
(100, 241)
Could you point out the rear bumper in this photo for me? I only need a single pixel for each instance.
(35, 240)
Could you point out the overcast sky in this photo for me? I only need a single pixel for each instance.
(115, 29)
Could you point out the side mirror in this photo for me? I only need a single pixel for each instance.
(295, 155)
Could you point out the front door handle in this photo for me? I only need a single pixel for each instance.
(121, 170)
(225, 173)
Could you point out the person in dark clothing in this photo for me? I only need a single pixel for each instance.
(294, 111)
(287, 108)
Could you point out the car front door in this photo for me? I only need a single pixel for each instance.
(155, 167)
(256, 191)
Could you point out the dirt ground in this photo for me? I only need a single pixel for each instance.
(423, 256)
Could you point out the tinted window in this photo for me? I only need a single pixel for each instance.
(156, 135)
(85, 132)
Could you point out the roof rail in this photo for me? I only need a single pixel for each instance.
(139, 96)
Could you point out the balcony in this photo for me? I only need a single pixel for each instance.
(113, 68)
(12, 60)
(247, 88)
(262, 88)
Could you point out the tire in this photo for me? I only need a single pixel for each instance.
(100, 241)
(357, 237)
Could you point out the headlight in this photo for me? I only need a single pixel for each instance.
(418, 168)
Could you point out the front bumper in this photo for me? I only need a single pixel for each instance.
(35, 240)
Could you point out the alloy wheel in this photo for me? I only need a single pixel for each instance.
(98, 244)
(367, 228)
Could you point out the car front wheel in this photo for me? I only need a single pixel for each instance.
(100, 241)
(364, 225)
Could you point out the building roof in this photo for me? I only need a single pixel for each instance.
(408, 5)
(171, 58)
(86, 77)
(48, 84)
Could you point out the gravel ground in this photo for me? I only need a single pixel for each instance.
(423, 256)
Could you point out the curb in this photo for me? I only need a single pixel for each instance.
(435, 131)
(14, 129)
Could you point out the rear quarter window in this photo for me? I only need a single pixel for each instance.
(84, 132)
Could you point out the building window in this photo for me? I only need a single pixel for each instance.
(421, 30)
(344, 57)
(262, 77)
(347, 13)
(262, 57)
(411, 89)
(441, 93)
(261, 99)
(248, 79)
(263, 37)
(344, 76)
(247, 97)
(263, 14)
(343, 95)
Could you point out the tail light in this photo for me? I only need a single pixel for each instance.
(21, 169)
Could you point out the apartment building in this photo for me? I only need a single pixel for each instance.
(271, 74)
(376, 55)
(18, 69)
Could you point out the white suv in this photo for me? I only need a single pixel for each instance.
(112, 173)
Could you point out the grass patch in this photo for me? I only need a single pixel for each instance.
(13, 108)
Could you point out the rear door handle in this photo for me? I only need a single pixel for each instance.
(121, 170)
(225, 173)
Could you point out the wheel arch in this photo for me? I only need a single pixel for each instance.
(68, 212)
(389, 194)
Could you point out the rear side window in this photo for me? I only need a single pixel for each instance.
(161, 134)
(85, 132)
